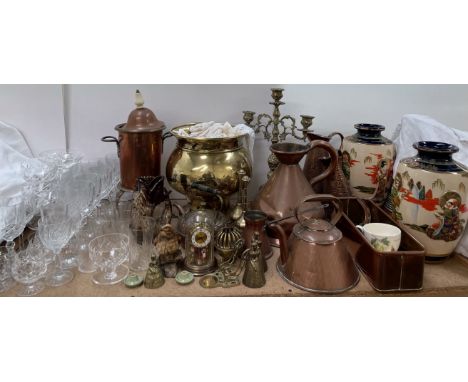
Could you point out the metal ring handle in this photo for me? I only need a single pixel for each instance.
(111, 139)
(320, 198)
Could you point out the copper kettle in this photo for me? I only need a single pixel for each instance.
(315, 257)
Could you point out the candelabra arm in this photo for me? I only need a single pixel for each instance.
(260, 125)
(292, 127)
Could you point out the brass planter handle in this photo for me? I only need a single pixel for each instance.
(333, 163)
(321, 198)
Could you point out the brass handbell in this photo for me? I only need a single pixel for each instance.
(254, 274)
(154, 275)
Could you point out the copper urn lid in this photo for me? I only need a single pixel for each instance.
(141, 119)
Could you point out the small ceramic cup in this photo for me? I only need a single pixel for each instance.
(383, 237)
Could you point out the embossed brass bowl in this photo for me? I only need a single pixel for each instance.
(209, 281)
(206, 168)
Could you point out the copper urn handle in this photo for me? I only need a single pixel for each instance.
(111, 139)
(321, 198)
(333, 163)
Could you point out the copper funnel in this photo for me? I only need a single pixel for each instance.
(315, 258)
(287, 186)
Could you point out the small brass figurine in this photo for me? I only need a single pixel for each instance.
(167, 244)
(154, 277)
(254, 274)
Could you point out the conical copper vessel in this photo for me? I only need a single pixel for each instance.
(287, 186)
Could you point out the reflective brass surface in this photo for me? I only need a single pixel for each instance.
(209, 281)
(228, 241)
(210, 162)
(254, 274)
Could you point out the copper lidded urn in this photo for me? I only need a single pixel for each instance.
(315, 258)
(288, 185)
(139, 146)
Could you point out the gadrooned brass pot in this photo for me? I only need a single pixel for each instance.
(202, 167)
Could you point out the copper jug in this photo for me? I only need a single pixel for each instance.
(287, 186)
(139, 146)
(318, 160)
(315, 258)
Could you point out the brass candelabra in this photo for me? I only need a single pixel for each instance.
(276, 128)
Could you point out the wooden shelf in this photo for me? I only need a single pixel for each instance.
(449, 278)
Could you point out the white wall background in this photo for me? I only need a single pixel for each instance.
(88, 112)
(37, 111)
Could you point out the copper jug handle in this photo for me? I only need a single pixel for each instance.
(321, 198)
(283, 240)
(333, 163)
(331, 135)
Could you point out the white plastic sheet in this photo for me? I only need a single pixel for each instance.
(414, 128)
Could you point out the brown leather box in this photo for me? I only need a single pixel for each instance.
(401, 270)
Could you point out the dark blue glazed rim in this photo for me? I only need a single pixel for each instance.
(370, 127)
(435, 147)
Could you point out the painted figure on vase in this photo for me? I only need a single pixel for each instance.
(395, 197)
(447, 224)
(348, 162)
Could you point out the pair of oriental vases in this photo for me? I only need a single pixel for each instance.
(427, 195)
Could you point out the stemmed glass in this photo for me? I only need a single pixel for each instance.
(109, 252)
(12, 224)
(6, 280)
(141, 243)
(88, 233)
(55, 229)
(29, 267)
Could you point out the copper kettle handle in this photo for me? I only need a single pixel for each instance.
(321, 198)
(331, 167)
(331, 135)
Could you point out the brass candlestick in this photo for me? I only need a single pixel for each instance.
(270, 125)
